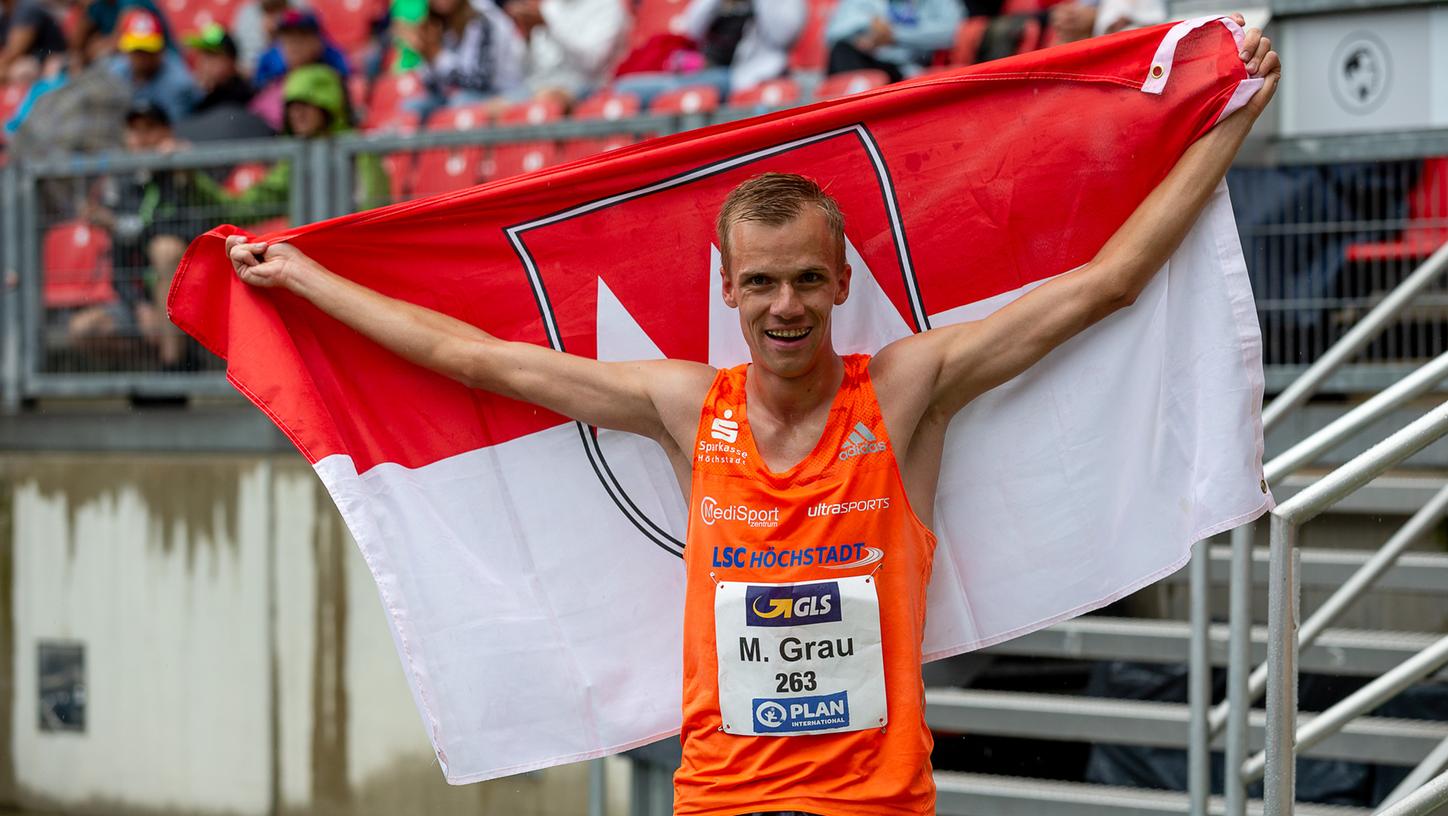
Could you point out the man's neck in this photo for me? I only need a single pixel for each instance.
(788, 399)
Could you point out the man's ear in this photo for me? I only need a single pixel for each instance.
(727, 288)
(844, 292)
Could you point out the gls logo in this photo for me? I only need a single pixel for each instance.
(710, 511)
(724, 428)
(792, 605)
(861, 442)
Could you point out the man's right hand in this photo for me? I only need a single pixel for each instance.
(267, 265)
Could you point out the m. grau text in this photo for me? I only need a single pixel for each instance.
(793, 649)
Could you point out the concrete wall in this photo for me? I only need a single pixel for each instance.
(237, 657)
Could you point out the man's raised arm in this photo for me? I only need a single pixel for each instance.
(968, 359)
(648, 398)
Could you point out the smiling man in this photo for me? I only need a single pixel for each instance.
(802, 684)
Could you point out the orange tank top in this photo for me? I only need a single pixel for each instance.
(803, 620)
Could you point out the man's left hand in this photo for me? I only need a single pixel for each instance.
(1261, 61)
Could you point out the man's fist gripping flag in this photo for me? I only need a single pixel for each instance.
(529, 566)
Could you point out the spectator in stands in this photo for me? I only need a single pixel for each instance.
(255, 28)
(31, 42)
(898, 37)
(742, 42)
(472, 52)
(150, 226)
(300, 41)
(572, 44)
(103, 17)
(154, 73)
(1077, 20)
(316, 107)
(214, 54)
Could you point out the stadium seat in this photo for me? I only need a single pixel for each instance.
(400, 168)
(243, 176)
(76, 266)
(537, 112)
(389, 92)
(603, 105)
(809, 52)
(772, 94)
(1428, 202)
(348, 23)
(851, 82)
(442, 170)
(10, 98)
(1031, 33)
(687, 100)
(967, 40)
(652, 17)
(607, 105)
(188, 16)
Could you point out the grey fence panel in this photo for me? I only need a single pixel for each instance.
(101, 236)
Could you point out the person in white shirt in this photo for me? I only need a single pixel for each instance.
(572, 44)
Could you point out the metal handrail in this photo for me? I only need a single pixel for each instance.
(1278, 786)
(1432, 765)
(1423, 801)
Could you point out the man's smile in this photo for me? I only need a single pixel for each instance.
(788, 335)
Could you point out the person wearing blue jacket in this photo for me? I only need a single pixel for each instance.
(898, 37)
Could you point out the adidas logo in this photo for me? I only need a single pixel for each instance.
(861, 441)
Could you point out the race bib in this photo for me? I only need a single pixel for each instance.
(799, 658)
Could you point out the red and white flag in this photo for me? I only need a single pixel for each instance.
(530, 565)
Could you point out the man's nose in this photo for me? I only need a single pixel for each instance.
(786, 303)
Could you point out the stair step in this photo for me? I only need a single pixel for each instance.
(1328, 569)
(1164, 725)
(969, 794)
(1349, 652)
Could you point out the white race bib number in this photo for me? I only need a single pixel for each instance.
(799, 658)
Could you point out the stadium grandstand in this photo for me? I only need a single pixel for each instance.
(171, 577)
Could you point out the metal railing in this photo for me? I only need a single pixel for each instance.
(1278, 675)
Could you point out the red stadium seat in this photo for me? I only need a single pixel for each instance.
(1427, 202)
(10, 98)
(607, 105)
(968, 38)
(524, 157)
(188, 16)
(1030, 37)
(603, 105)
(348, 23)
(652, 17)
(772, 94)
(851, 82)
(389, 93)
(809, 52)
(77, 266)
(400, 168)
(686, 100)
(442, 170)
(537, 112)
(243, 176)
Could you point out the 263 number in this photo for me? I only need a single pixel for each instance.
(796, 681)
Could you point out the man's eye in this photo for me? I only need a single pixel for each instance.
(758, 280)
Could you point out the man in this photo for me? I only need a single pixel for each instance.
(471, 53)
(572, 44)
(32, 44)
(803, 427)
(898, 37)
(154, 73)
(217, 71)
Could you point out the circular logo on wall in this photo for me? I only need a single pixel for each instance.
(1360, 72)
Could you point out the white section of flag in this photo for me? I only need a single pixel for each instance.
(537, 626)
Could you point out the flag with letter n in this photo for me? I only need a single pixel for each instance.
(529, 565)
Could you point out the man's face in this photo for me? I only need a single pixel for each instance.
(213, 68)
(785, 281)
(144, 64)
(300, 47)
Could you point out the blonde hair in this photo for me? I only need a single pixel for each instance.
(774, 199)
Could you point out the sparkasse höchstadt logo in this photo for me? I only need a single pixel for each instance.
(1361, 70)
